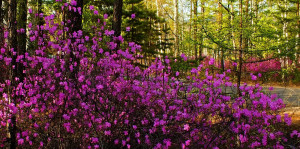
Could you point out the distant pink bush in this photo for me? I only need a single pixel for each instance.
(264, 66)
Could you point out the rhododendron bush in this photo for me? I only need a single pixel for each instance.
(113, 103)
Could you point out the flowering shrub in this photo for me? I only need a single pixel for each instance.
(265, 66)
(112, 103)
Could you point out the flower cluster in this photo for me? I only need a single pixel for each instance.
(89, 94)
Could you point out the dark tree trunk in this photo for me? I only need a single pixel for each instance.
(40, 10)
(117, 17)
(220, 29)
(76, 18)
(195, 29)
(1, 25)
(239, 75)
(75, 26)
(203, 23)
(22, 21)
(14, 72)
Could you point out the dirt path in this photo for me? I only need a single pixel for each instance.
(290, 95)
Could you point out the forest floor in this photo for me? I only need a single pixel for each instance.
(294, 113)
(290, 95)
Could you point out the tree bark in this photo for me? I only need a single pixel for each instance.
(76, 18)
(22, 22)
(117, 17)
(239, 75)
(220, 28)
(75, 26)
(1, 26)
(159, 28)
(176, 27)
(195, 29)
(14, 72)
(297, 36)
(190, 24)
(203, 23)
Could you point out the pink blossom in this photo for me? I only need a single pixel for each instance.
(186, 127)
(105, 16)
(92, 7)
(128, 29)
(21, 141)
(73, 2)
(133, 15)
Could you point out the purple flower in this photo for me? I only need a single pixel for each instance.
(133, 15)
(81, 78)
(2, 50)
(186, 127)
(92, 7)
(128, 29)
(107, 133)
(99, 86)
(73, 2)
(20, 141)
(184, 57)
(134, 127)
(234, 64)
(94, 140)
(271, 88)
(259, 74)
(105, 16)
(211, 61)
(187, 142)
(253, 77)
(66, 117)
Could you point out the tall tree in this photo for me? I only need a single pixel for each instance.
(117, 17)
(202, 24)
(195, 29)
(159, 27)
(1, 25)
(239, 75)
(12, 14)
(75, 26)
(76, 17)
(297, 34)
(176, 45)
(22, 21)
(220, 21)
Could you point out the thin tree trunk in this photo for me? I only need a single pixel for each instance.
(159, 27)
(14, 72)
(176, 27)
(203, 23)
(75, 27)
(117, 17)
(239, 75)
(195, 29)
(77, 18)
(1, 26)
(191, 23)
(297, 36)
(285, 37)
(245, 25)
(220, 28)
(22, 22)
(40, 10)
(246, 40)
(232, 29)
